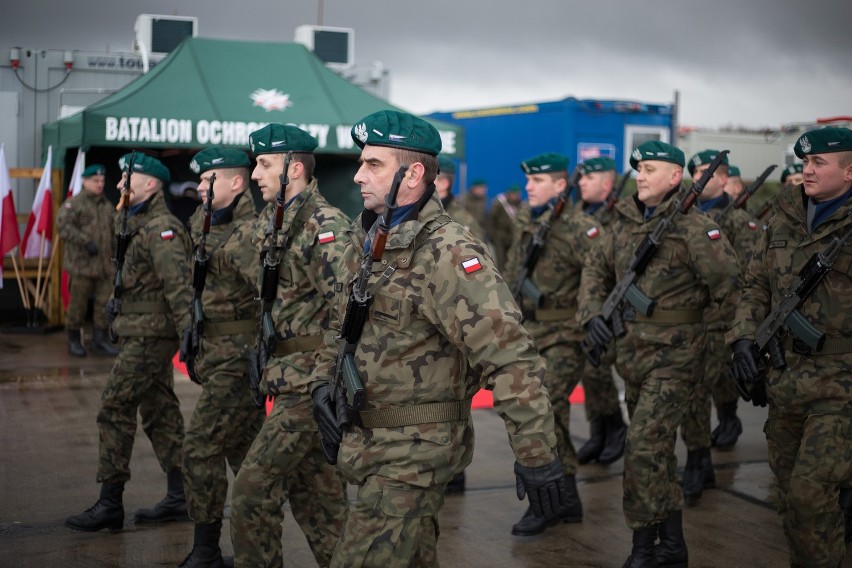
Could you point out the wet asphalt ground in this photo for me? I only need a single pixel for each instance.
(48, 459)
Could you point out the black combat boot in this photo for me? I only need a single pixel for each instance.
(570, 512)
(205, 549)
(173, 505)
(693, 477)
(591, 450)
(107, 513)
(846, 507)
(456, 484)
(616, 433)
(75, 344)
(643, 555)
(101, 344)
(726, 434)
(671, 552)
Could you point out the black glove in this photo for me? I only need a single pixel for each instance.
(747, 380)
(91, 248)
(326, 418)
(599, 332)
(112, 309)
(545, 486)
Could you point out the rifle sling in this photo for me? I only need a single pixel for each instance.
(430, 412)
(832, 346)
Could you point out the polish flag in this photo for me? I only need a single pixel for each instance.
(10, 237)
(714, 234)
(471, 266)
(41, 216)
(75, 184)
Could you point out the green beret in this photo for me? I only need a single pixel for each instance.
(218, 157)
(790, 170)
(479, 181)
(704, 157)
(514, 188)
(145, 164)
(94, 170)
(277, 138)
(733, 171)
(397, 130)
(824, 141)
(545, 164)
(599, 164)
(446, 166)
(655, 150)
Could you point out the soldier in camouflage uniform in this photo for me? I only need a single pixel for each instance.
(85, 224)
(500, 224)
(475, 201)
(741, 232)
(734, 186)
(792, 175)
(444, 187)
(694, 267)
(603, 409)
(226, 420)
(809, 427)
(441, 326)
(286, 461)
(152, 308)
(549, 305)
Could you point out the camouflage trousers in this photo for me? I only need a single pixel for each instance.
(142, 380)
(565, 363)
(392, 525)
(721, 384)
(80, 288)
(695, 429)
(600, 390)
(659, 380)
(283, 464)
(220, 432)
(811, 457)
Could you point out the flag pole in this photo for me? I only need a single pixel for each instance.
(38, 272)
(47, 274)
(24, 299)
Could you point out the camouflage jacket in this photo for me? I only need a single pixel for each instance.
(694, 268)
(742, 232)
(443, 326)
(156, 273)
(817, 382)
(601, 214)
(229, 293)
(501, 227)
(463, 217)
(556, 274)
(83, 218)
(306, 285)
(475, 206)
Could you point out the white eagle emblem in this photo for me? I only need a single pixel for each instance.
(637, 154)
(271, 99)
(193, 165)
(805, 144)
(361, 132)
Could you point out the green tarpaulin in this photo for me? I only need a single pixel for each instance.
(211, 91)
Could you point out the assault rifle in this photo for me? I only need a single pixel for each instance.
(626, 290)
(122, 242)
(347, 390)
(524, 286)
(745, 194)
(191, 340)
(268, 338)
(616, 193)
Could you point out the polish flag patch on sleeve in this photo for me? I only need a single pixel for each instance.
(593, 232)
(326, 237)
(752, 225)
(167, 235)
(714, 234)
(471, 266)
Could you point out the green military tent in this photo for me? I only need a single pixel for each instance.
(211, 91)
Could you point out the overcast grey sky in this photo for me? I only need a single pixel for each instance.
(755, 63)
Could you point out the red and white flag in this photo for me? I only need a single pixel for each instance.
(41, 216)
(10, 237)
(75, 184)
